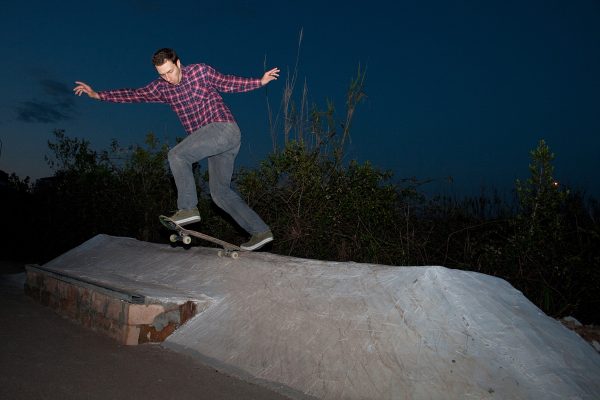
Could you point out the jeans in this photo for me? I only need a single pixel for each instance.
(220, 143)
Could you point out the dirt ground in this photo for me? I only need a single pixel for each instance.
(45, 356)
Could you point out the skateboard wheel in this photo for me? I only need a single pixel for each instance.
(220, 253)
(235, 255)
(173, 238)
(187, 240)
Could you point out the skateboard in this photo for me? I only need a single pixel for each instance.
(185, 235)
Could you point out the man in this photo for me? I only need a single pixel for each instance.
(192, 91)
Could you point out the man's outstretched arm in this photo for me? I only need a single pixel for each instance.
(146, 94)
(237, 84)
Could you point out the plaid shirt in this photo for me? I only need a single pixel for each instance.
(195, 99)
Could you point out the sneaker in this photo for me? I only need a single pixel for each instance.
(184, 217)
(257, 240)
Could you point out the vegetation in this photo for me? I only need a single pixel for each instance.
(546, 244)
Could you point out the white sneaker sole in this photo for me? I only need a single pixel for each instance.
(257, 245)
(187, 221)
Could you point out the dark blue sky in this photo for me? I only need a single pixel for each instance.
(455, 88)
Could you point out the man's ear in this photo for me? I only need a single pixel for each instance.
(178, 63)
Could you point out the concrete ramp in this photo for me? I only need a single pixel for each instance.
(353, 331)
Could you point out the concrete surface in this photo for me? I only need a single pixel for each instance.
(353, 331)
(44, 356)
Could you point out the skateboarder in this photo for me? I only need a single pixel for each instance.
(192, 91)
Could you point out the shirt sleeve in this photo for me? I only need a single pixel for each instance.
(230, 83)
(146, 94)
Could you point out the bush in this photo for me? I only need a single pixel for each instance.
(318, 209)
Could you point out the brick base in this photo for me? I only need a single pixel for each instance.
(123, 321)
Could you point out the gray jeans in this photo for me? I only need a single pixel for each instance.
(220, 143)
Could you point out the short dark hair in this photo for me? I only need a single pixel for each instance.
(163, 55)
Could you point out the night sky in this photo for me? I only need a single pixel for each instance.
(461, 89)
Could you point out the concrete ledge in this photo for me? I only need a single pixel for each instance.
(96, 308)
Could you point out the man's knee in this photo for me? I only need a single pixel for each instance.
(173, 156)
(220, 195)
(172, 152)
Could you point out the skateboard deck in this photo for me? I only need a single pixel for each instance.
(184, 235)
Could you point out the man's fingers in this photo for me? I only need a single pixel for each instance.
(82, 85)
(81, 88)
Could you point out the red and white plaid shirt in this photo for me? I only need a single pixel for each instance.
(195, 99)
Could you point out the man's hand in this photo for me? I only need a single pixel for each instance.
(270, 76)
(87, 89)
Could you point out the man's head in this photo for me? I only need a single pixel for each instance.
(167, 65)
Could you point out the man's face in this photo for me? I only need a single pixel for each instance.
(170, 72)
